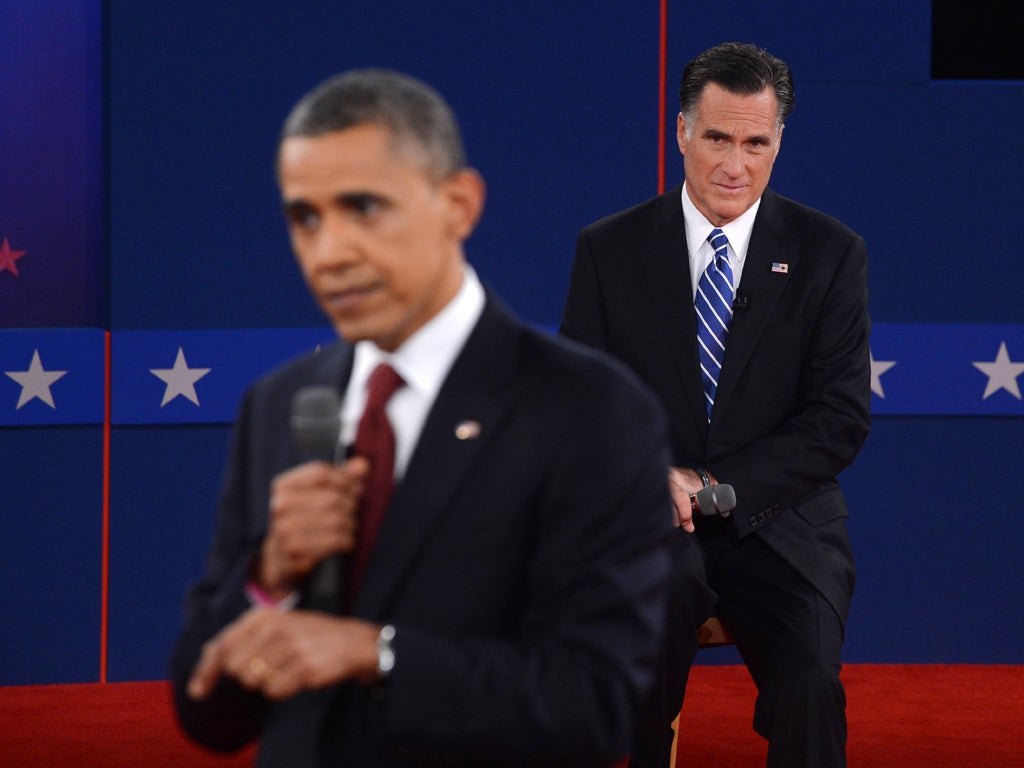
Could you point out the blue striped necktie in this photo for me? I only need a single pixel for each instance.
(713, 304)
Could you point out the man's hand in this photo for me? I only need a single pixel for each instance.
(312, 515)
(280, 653)
(682, 483)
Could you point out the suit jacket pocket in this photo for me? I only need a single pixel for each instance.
(823, 507)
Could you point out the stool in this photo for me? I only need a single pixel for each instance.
(711, 634)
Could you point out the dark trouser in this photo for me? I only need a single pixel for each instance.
(690, 604)
(790, 638)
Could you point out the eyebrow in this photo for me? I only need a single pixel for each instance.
(354, 199)
(295, 204)
(714, 133)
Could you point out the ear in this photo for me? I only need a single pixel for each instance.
(778, 143)
(681, 133)
(464, 193)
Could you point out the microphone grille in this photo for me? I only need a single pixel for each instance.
(725, 497)
(316, 420)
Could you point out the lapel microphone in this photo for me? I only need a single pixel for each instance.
(741, 302)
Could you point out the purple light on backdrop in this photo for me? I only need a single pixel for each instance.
(52, 266)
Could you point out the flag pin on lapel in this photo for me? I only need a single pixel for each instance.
(781, 267)
(467, 430)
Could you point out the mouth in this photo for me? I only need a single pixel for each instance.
(731, 189)
(345, 301)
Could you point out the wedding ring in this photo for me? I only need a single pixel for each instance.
(259, 667)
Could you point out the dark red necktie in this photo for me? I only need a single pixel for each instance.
(375, 441)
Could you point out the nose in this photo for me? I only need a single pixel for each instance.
(336, 245)
(732, 164)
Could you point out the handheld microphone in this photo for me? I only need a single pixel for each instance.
(315, 423)
(714, 499)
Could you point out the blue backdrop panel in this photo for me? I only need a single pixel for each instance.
(163, 500)
(950, 369)
(51, 172)
(51, 543)
(927, 182)
(52, 376)
(196, 376)
(829, 41)
(936, 531)
(558, 104)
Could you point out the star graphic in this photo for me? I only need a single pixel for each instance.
(35, 382)
(1002, 373)
(878, 367)
(8, 257)
(180, 380)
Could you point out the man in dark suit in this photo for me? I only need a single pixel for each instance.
(764, 369)
(513, 605)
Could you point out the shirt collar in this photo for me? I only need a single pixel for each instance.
(424, 359)
(698, 227)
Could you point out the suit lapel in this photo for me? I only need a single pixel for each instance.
(467, 414)
(771, 241)
(666, 266)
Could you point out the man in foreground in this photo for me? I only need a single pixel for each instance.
(501, 523)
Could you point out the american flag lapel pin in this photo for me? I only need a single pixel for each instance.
(781, 267)
(467, 430)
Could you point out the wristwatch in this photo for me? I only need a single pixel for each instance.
(385, 652)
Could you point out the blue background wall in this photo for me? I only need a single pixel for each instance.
(137, 178)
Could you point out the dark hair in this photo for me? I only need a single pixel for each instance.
(740, 68)
(409, 108)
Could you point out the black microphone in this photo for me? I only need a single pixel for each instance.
(741, 302)
(714, 499)
(315, 423)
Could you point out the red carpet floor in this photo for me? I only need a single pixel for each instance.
(901, 716)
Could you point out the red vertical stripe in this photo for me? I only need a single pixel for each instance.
(662, 116)
(105, 558)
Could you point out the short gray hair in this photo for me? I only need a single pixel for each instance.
(409, 108)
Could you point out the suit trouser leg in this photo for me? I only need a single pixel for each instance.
(690, 604)
(790, 639)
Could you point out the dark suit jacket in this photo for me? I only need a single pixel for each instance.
(792, 406)
(524, 570)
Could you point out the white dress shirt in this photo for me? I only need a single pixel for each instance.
(701, 252)
(423, 362)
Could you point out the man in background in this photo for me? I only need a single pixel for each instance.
(502, 519)
(746, 312)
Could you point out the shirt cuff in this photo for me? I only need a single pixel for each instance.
(261, 598)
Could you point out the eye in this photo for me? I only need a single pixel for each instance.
(302, 217)
(363, 204)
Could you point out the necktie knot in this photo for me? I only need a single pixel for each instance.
(720, 243)
(382, 384)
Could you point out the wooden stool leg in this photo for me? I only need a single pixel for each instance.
(675, 742)
(709, 634)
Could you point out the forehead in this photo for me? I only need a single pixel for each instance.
(361, 154)
(724, 110)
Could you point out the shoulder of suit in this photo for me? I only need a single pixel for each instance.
(317, 366)
(803, 216)
(581, 373)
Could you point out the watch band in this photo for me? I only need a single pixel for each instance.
(385, 651)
